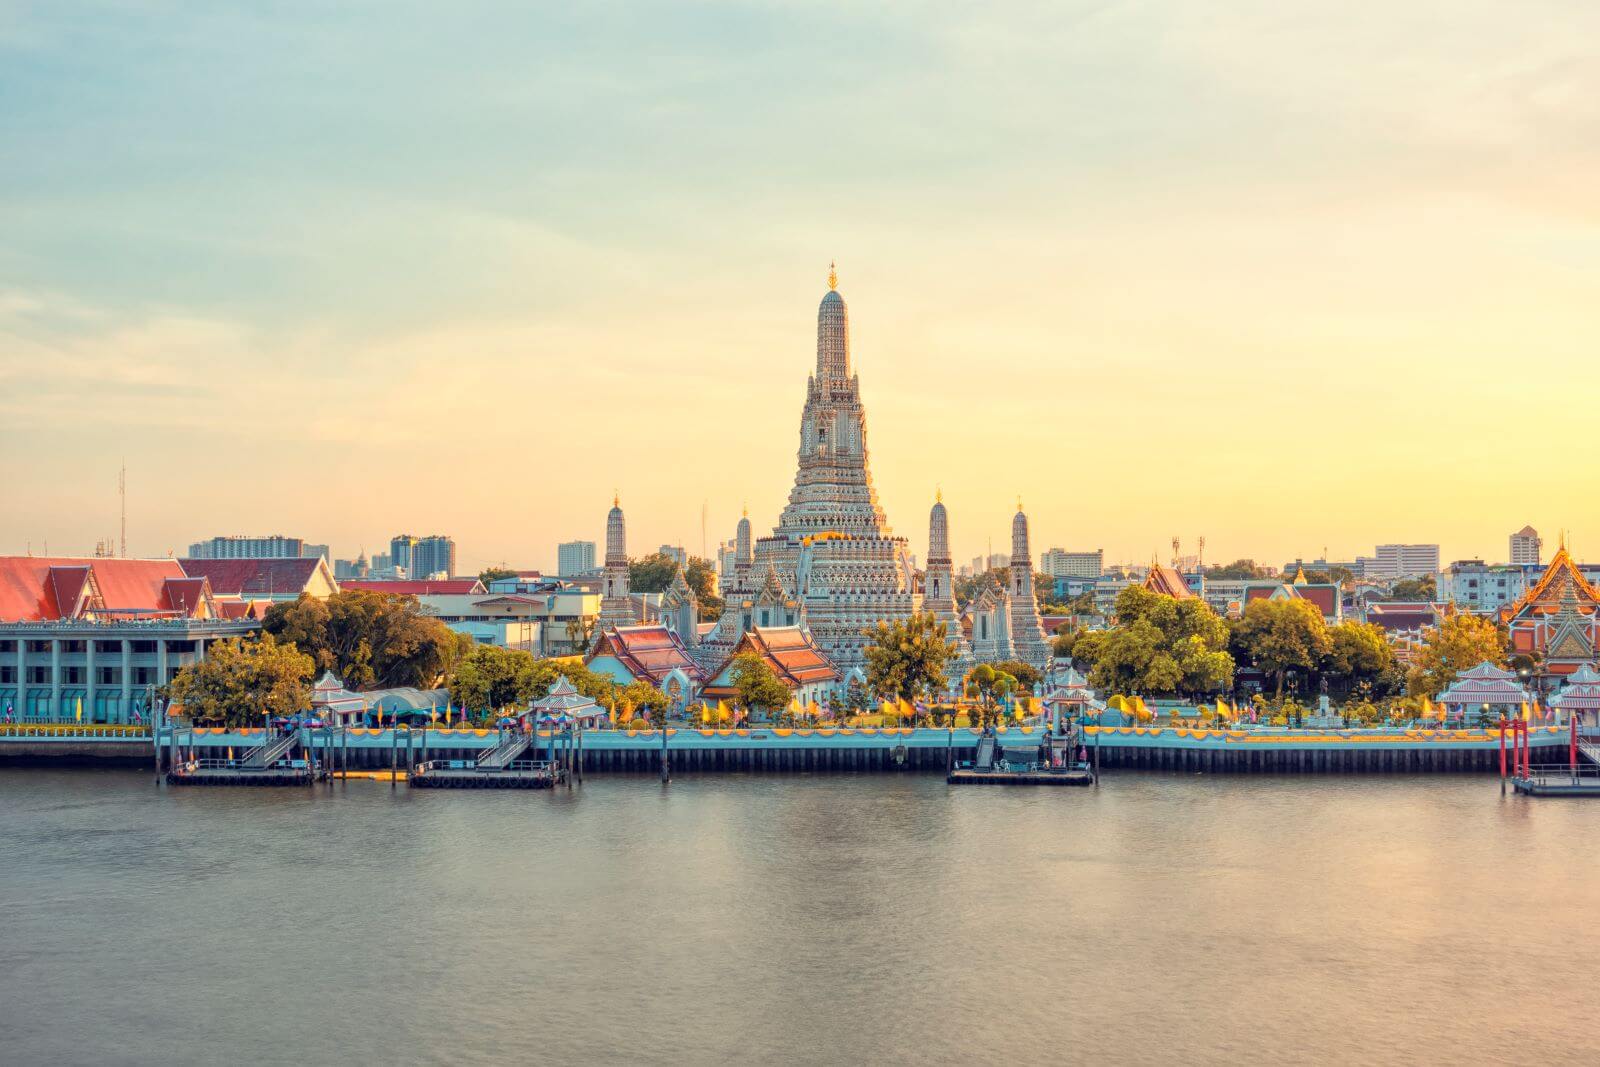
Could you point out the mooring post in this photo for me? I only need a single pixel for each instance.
(394, 741)
(666, 773)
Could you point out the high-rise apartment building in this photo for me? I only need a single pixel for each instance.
(1402, 561)
(1059, 563)
(238, 546)
(1527, 546)
(434, 554)
(574, 559)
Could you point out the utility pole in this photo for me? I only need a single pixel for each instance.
(122, 492)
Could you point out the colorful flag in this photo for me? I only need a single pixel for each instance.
(80, 709)
(705, 715)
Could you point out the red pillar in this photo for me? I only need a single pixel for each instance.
(1572, 745)
(1502, 748)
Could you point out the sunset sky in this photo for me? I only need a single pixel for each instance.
(1291, 276)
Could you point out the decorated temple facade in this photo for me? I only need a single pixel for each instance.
(938, 585)
(831, 565)
(616, 606)
(654, 654)
(1002, 621)
(1555, 620)
(792, 655)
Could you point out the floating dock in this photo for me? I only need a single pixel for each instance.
(468, 774)
(1026, 776)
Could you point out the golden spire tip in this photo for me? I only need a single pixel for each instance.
(833, 276)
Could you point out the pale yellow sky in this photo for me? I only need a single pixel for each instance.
(1287, 278)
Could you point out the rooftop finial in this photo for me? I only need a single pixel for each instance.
(938, 494)
(616, 499)
(1019, 501)
(833, 275)
(744, 512)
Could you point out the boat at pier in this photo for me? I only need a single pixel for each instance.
(1048, 763)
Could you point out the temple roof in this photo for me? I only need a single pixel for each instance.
(44, 588)
(418, 586)
(255, 577)
(1484, 684)
(1168, 582)
(789, 651)
(649, 653)
(1544, 597)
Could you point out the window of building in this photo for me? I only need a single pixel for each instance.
(148, 648)
(145, 676)
(8, 675)
(108, 676)
(108, 647)
(38, 675)
(38, 646)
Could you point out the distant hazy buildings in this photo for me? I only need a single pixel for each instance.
(239, 546)
(1400, 561)
(575, 558)
(1059, 563)
(677, 553)
(1527, 546)
(422, 557)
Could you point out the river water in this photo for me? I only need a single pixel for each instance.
(844, 919)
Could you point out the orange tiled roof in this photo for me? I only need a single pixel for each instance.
(1545, 595)
(43, 588)
(1168, 582)
(649, 652)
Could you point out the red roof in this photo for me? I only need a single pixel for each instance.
(789, 651)
(1168, 582)
(648, 652)
(41, 588)
(186, 596)
(416, 587)
(254, 577)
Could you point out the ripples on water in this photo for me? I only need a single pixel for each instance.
(847, 919)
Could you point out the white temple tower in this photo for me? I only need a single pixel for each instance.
(938, 584)
(1027, 632)
(832, 550)
(616, 606)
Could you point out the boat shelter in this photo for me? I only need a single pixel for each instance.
(1485, 687)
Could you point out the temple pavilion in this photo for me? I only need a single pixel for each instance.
(1580, 696)
(1484, 685)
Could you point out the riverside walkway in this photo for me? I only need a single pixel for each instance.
(691, 749)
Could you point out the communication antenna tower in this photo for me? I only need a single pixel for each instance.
(1175, 553)
(122, 493)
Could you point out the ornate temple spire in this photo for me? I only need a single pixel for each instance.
(833, 336)
(1019, 538)
(616, 606)
(938, 533)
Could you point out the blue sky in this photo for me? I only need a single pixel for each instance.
(1236, 269)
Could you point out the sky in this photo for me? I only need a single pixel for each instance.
(1295, 277)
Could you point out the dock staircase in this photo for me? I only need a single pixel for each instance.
(271, 752)
(983, 759)
(1589, 749)
(505, 753)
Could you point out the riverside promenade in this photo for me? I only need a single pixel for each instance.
(689, 749)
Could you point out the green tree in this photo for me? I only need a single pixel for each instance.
(1424, 588)
(701, 575)
(906, 659)
(1026, 674)
(1279, 636)
(758, 687)
(993, 686)
(493, 677)
(1239, 568)
(243, 679)
(494, 574)
(1159, 645)
(370, 640)
(1358, 654)
(1459, 642)
(652, 573)
(964, 589)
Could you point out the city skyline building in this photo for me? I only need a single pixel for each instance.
(574, 559)
(1527, 546)
(242, 546)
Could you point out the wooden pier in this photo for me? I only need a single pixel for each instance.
(1025, 776)
(469, 774)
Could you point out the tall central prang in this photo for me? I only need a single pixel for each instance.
(831, 563)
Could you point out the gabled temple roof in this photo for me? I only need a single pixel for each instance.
(44, 588)
(418, 587)
(789, 651)
(1544, 597)
(1168, 582)
(649, 653)
(1484, 684)
(257, 577)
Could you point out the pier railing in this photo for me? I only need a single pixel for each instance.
(74, 730)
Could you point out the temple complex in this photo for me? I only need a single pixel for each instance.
(1003, 621)
(1555, 620)
(831, 564)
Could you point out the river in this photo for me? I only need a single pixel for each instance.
(844, 919)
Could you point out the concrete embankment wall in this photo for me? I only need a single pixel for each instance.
(31, 752)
